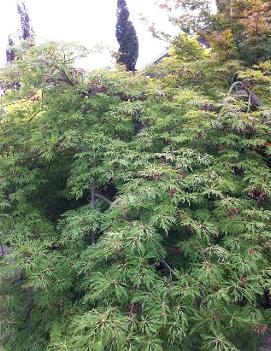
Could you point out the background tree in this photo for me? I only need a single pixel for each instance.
(239, 29)
(127, 38)
(10, 52)
(247, 25)
(26, 32)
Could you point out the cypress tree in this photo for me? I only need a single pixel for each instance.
(127, 38)
(27, 32)
(10, 53)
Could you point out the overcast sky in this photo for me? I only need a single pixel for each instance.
(86, 21)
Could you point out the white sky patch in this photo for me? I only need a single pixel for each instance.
(88, 22)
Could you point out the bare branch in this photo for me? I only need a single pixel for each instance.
(166, 266)
(104, 198)
(253, 99)
(65, 76)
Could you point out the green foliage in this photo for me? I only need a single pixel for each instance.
(188, 48)
(248, 22)
(237, 30)
(174, 251)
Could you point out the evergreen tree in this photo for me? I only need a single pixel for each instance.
(27, 32)
(10, 53)
(127, 38)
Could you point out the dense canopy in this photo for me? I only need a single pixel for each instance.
(135, 206)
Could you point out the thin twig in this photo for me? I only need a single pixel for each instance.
(235, 84)
(166, 266)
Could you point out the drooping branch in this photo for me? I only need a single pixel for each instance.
(65, 76)
(92, 199)
(103, 198)
(233, 86)
(242, 90)
(95, 195)
(166, 266)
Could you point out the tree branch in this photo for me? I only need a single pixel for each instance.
(93, 205)
(94, 195)
(178, 46)
(92, 199)
(65, 76)
(253, 99)
(234, 85)
(166, 266)
(103, 198)
(249, 101)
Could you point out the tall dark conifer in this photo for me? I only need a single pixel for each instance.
(10, 53)
(126, 36)
(27, 32)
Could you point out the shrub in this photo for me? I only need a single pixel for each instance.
(136, 209)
